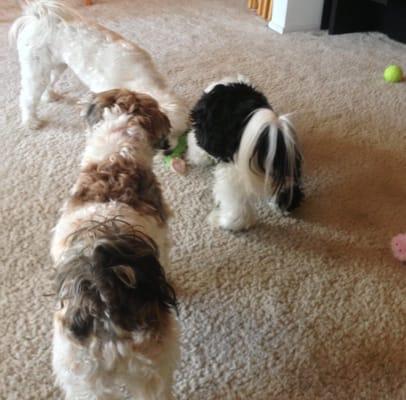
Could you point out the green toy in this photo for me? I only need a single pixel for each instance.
(174, 160)
(393, 73)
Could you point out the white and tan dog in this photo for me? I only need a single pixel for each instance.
(115, 330)
(51, 37)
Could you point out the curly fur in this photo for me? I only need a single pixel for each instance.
(111, 279)
(144, 107)
(120, 180)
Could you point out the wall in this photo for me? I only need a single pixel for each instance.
(296, 15)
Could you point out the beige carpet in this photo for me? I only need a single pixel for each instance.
(307, 307)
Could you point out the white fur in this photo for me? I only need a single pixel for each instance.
(114, 370)
(195, 154)
(72, 220)
(254, 180)
(51, 37)
(236, 186)
(107, 138)
(226, 81)
(139, 367)
(233, 209)
(233, 204)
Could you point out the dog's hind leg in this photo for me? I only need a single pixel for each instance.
(50, 94)
(234, 211)
(35, 78)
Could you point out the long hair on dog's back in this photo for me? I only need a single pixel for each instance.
(111, 280)
(256, 150)
(268, 159)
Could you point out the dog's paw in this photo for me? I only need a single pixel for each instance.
(50, 96)
(231, 222)
(213, 218)
(276, 209)
(235, 225)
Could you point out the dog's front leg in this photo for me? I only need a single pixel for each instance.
(234, 211)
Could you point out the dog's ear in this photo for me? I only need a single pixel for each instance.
(120, 281)
(152, 120)
(132, 286)
(84, 103)
(93, 114)
(144, 108)
(94, 105)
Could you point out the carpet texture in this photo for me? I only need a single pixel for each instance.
(312, 306)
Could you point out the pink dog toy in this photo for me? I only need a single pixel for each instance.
(399, 246)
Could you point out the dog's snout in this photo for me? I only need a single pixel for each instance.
(164, 145)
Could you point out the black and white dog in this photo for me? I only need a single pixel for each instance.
(255, 149)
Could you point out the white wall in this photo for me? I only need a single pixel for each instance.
(296, 15)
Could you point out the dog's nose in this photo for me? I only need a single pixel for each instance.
(164, 145)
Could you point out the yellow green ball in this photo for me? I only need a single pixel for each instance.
(393, 73)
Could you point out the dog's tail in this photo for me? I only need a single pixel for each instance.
(113, 284)
(269, 159)
(45, 13)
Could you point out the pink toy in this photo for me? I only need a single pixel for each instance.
(399, 246)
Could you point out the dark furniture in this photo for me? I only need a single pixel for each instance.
(345, 16)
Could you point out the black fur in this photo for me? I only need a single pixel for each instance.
(119, 281)
(219, 119)
(288, 197)
(220, 116)
(93, 114)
